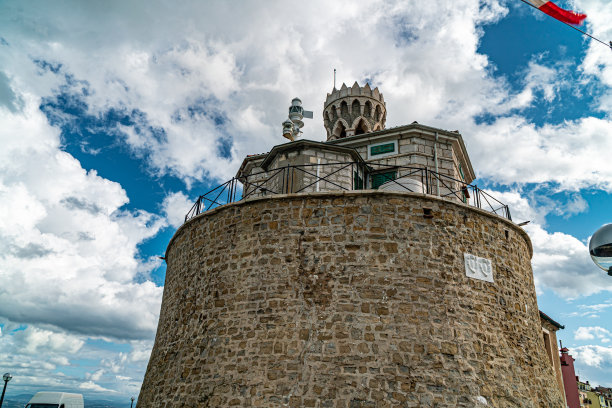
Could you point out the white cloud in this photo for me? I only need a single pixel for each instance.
(591, 311)
(35, 340)
(95, 376)
(69, 260)
(560, 262)
(220, 94)
(521, 209)
(597, 61)
(594, 363)
(590, 333)
(69, 250)
(594, 356)
(91, 386)
(204, 84)
(141, 351)
(572, 154)
(175, 206)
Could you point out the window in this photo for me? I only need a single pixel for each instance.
(362, 128)
(357, 181)
(367, 110)
(461, 172)
(340, 130)
(548, 348)
(381, 178)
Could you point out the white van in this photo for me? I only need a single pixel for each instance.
(56, 400)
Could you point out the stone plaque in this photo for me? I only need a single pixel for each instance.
(478, 268)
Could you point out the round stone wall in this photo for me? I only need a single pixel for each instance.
(348, 300)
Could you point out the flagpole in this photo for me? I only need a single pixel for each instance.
(571, 26)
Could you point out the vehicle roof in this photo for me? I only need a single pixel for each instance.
(47, 397)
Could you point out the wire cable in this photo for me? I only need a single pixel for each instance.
(575, 28)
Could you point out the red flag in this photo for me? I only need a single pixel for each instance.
(550, 8)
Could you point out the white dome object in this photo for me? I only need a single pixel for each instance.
(600, 248)
(403, 184)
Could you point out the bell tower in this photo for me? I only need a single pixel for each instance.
(353, 111)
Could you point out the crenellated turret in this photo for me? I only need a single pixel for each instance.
(353, 111)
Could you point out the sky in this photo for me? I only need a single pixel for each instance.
(115, 116)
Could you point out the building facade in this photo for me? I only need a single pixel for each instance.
(356, 272)
(549, 335)
(572, 396)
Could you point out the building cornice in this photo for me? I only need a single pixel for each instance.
(551, 321)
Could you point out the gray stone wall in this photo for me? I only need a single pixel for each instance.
(353, 111)
(348, 300)
(418, 152)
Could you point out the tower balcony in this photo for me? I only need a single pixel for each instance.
(349, 176)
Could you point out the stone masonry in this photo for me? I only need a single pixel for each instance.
(348, 300)
(352, 111)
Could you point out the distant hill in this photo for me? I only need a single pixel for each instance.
(19, 401)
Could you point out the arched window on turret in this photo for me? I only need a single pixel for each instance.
(344, 109)
(334, 113)
(356, 108)
(378, 113)
(326, 118)
(361, 128)
(367, 110)
(340, 130)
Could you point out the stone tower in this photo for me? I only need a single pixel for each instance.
(353, 111)
(359, 272)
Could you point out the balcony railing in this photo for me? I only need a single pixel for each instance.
(350, 176)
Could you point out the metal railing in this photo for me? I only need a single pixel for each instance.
(346, 176)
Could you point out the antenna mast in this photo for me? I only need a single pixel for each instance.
(292, 126)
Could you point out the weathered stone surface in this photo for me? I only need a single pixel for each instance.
(272, 303)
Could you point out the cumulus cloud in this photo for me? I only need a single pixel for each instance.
(69, 250)
(220, 94)
(590, 333)
(560, 262)
(594, 362)
(592, 311)
(207, 97)
(597, 60)
(175, 206)
(35, 340)
(92, 386)
(572, 154)
(594, 356)
(95, 376)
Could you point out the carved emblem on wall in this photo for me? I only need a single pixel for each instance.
(478, 268)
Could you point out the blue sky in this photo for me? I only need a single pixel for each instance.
(116, 116)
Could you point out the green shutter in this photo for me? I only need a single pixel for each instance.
(381, 149)
(461, 172)
(381, 178)
(358, 181)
